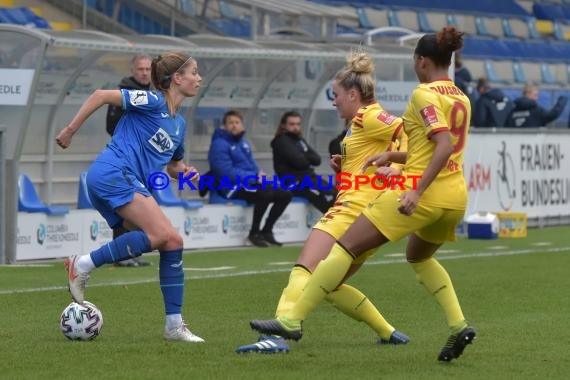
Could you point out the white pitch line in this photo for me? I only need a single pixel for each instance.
(497, 247)
(25, 265)
(395, 254)
(541, 243)
(208, 269)
(282, 263)
(258, 272)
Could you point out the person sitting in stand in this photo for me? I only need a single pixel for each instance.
(293, 157)
(231, 160)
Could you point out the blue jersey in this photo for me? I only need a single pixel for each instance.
(146, 138)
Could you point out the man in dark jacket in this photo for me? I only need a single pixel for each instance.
(492, 107)
(293, 156)
(239, 177)
(527, 112)
(139, 80)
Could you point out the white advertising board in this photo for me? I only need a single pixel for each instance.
(15, 86)
(519, 173)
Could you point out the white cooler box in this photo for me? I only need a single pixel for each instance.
(483, 225)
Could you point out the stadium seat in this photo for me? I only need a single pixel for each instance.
(22, 16)
(217, 199)
(492, 74)
(166, 197)
(187, 7)
(452, 20)
(481, 27)
(83, 200)
(28, 200)
(519, 73)
(393, 19)
(546, 75)
(363, 21)
(424, 24)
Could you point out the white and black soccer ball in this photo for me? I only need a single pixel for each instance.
(81, 322)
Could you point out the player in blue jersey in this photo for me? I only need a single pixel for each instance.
(148, 137)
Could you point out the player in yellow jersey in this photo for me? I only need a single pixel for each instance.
(372, 130)
(436, 122)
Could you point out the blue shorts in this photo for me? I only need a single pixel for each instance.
(111, 187)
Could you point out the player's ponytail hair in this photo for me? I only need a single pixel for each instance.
(163, 67)
(358, 74)
(439, 47)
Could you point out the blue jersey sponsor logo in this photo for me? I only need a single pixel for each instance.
(161, 141)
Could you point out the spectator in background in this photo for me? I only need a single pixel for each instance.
(527, 112)
(231, 160)
(334, 144)
(492, 106)
(139, 80)
(293, 156)
(462, 76)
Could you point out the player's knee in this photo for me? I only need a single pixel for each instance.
(166, 238)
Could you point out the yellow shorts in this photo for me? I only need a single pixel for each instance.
(338, 218)
(432, 224)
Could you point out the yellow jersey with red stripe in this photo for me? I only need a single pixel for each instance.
(373, 130)
(435, 107)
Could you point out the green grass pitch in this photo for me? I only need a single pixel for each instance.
(514, 291)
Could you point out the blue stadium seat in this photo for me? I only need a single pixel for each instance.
(558, 32)
(481, 27)
(492, 73)
(28, 200)
(546, 75)
(518, 73)
(166, 197)
(217, 199)
(83, 200)
(187, 7)
(532, 32)
(424, 24)
(451, 20)
(507, 29)
(22, 16)
(226, 10)
(363, 21)
(393, 19)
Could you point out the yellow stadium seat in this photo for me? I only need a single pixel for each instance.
(544, 27)
(37, 11)
(58, 25)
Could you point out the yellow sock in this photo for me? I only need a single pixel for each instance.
(356, 305)
(325, 279)
(437, 282)
(291, 293)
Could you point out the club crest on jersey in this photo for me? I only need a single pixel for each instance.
(429, 115)
(138, 98)
(386, 117)
(161, 141)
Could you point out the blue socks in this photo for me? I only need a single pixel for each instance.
(129, 245)
(171, 274)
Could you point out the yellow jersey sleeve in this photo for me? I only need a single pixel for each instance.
(429, 111)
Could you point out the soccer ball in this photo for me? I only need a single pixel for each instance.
(81, 322)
